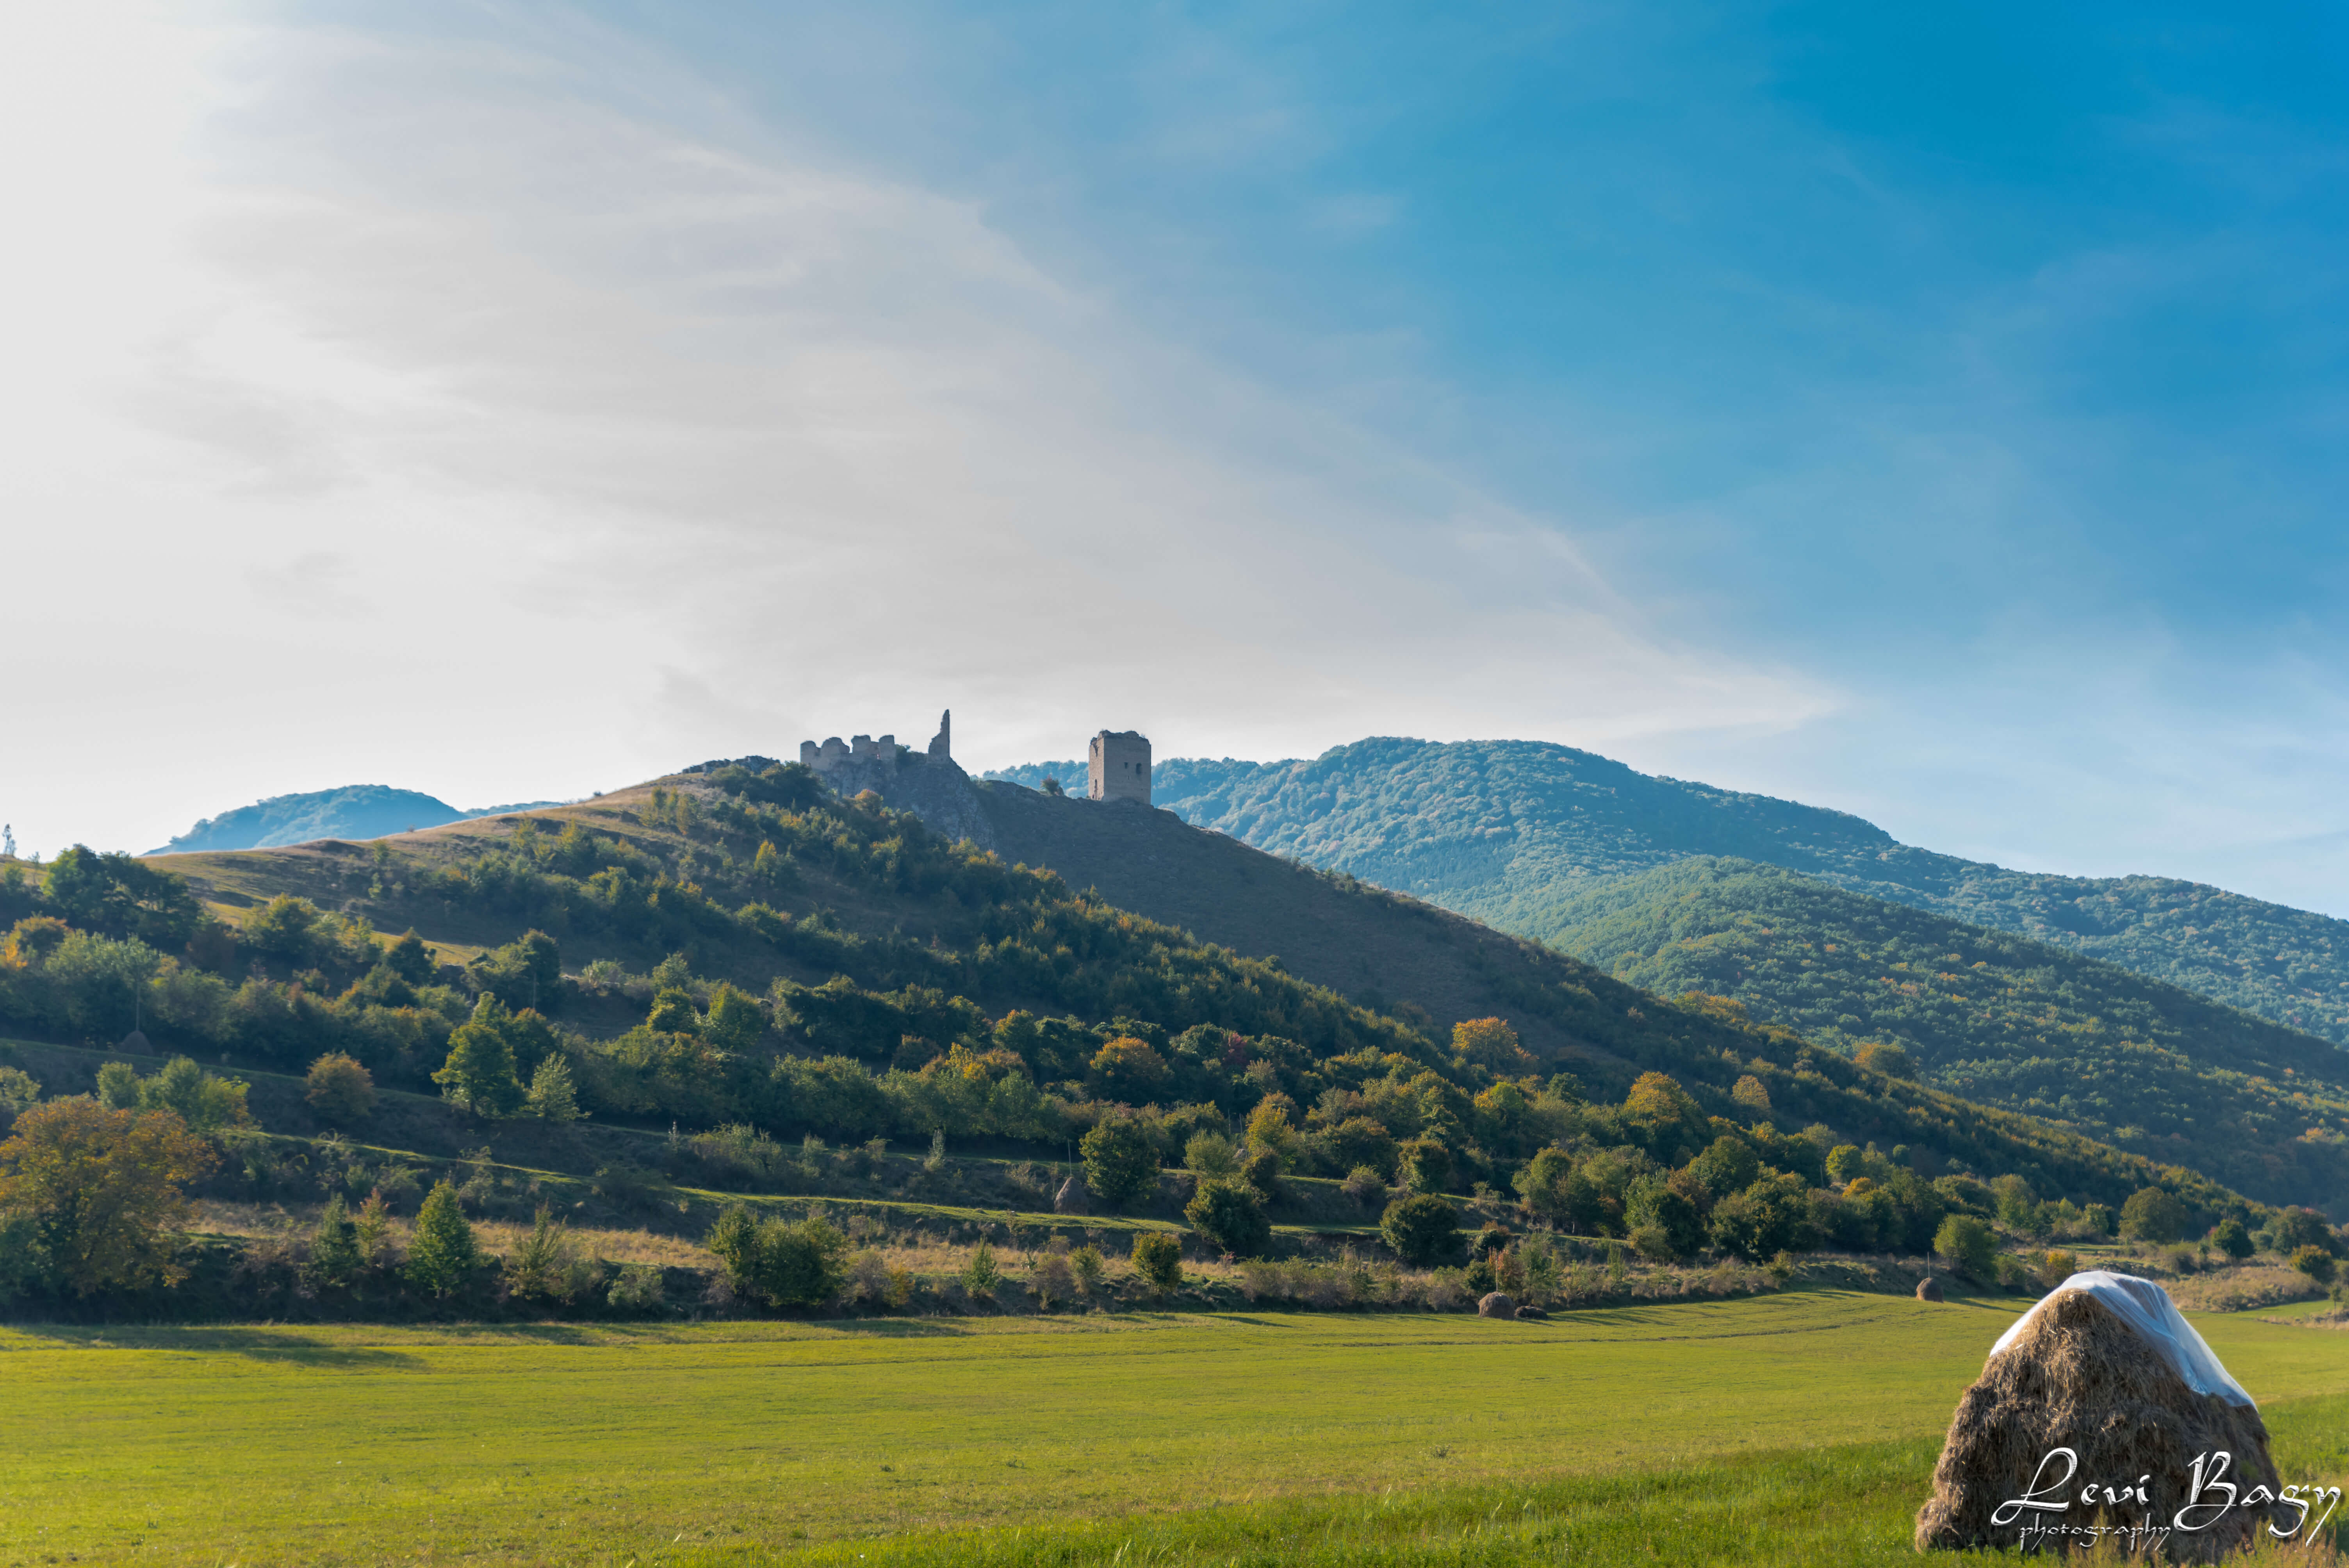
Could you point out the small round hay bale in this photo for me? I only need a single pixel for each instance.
(1530, 1314)
(1497, 1304)
(1929, 1289)
(2078, 1377)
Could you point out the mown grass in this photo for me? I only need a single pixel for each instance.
(1791, 1428)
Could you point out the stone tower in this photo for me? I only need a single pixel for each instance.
(1118, 767)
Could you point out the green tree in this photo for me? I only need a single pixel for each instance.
(553, 1095)
(100, 1190)
(1158, 1259)
(1651, 1203)
(2153, 1215)
(1231, 1215)
(2315, 1262)
(1423, 1165)
(526, 973)
(980, 1275)
(541, 1269)
(1422, 1229)
(441, 1251)
(1766, 1219)
(1211, 1154)
(479, 1072)
(734, 1022)
(204, 1100)
(779, 1263)
(101, 980)
(1969, 1246)
(120, 895)
(286, 928)
(2231, 1237)
(672, 1013)
(1120, 1161)
(411, 959)
(334, 1246)
(340, 1089)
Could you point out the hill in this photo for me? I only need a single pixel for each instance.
(353, 811)
(739, 948)
(1995, 1017)
(1503, 830)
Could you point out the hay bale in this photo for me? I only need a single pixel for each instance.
(1929, 1289)
(1497, 1304)
(1072, 1197)
(2077, 1376)
(1530, 1314)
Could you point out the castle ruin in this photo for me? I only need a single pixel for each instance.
(1117, 766)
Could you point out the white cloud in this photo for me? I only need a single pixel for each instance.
(441, 412)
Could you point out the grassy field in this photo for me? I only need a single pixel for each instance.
(1774, 1428)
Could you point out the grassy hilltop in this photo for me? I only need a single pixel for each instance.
(1503, 830)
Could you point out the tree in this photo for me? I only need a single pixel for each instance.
(2314, 1262)
(100, 1188)
(2293, 1229)
(1359, 1140)
(541, 1266)
(441, 1252)
(334, 1254)
(1210, 1153)
(1120, 1162)
(673, 1014)
(1490, 1043)
(340, 1089)
(121, 895)
(1653, 1203)
(479, 1072)
(1128, 1069)
(1752, 1093)
(411, 959)
(2231, 1237)
(1968, 1246)
(526, 973)
(734, 1022)
(1764, 1220)
(283, 928)
(1231, 1215)
(1882, 1056)
(552, 1095)
(1422, 1229)
(2153, 1215)
(1423, 1165)
(767, 865)
(1158, 1259)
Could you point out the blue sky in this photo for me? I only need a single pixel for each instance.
(1935, 414)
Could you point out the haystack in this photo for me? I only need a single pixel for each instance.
(1497, 1303)
(2106, 1368)
(1929, 1289)
(1071, 1198)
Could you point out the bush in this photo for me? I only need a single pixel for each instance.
(1968, 1246)
(2232, 1238)
(1211, 1154)
(638, 1289)
(2153, 1215)
(781, 1264)
(2293, 1229)
(1422, 1229)
(2315, 1262)
(340, 1089)
(1055, 1281)
(980, 1276)
(441, 1253)
(1363, 1184)
(2014, 1274)
(1230, 1214)
(1158, 1259)
(334, 1254)
(1120, 1162)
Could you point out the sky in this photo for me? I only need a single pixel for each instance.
(1934, 414)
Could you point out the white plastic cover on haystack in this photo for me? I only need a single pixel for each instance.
(2147, 1307)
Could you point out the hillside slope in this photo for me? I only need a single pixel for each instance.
(734, 949)
(1503, 830)
(1987, 1015)
(352, 811)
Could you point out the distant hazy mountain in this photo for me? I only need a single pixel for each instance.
(353, 811)
(1509, 831)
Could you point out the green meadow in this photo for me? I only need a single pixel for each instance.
(1792, 1429)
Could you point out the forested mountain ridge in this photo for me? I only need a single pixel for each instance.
(1502, 830)
(1987, 1014)
(756, 951)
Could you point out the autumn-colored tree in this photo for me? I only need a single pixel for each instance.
(1128, 1069)
(1752, 1093)
(340, 1089)
(101, 1189)
(1491, 1043)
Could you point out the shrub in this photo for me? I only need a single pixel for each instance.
(1087, 1262)
(1231, 1215)
(1363, 1184)
(1422, 1229)
(2293, 1229)
(638, 1289)
(1423, 1165)
(334, 1254)
(1491, 1043)
(1652, 1242)
(1674, 1228)
(980, 1276)
(1055, 1281)
(776, 1262)
(2231, 1237)
(340, 1089)
(1120, 1162)
(2014, 1274)
(1967, 1246)
(2314, 1262)
(546, 1266)
(1158, 1259)
(100, 1190)
(1768, 1218)
(2153, 1215)
(1261, 1171)
(2055, 1267)
(441, 1252)
(552, 1095)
